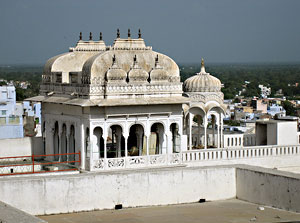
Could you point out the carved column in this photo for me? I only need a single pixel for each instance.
(190, 130)
(205, 132)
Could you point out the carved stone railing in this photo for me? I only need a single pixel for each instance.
(194, 156)
(136, 162)
(239, 153)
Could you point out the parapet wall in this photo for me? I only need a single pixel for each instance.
(132, 188)
(21, 146)
(40, 195)
(268, 187)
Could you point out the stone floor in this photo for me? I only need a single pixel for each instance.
(227, 211)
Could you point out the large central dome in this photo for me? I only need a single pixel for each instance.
(202, 82)
(126, 69)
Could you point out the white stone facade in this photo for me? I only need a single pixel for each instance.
(125, 100)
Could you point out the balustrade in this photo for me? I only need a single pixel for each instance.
(194, 156)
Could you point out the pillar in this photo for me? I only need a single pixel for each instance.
(199, 136)
(190, 130)
(147, 144)
(105, 150)
(82, 150)
(126, 146)
(222, 136)
(205, 132)
(218, 130)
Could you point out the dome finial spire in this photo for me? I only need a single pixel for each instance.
(80, 36)
(202, 66)
(129, 33)
(91, 36)
(118, 33)
(140, 34)
(100, 36)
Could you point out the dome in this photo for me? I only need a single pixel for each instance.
(158, 74)
(202, 82)
(137, 74)
(116, 74)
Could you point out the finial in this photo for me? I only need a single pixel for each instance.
(129, 33)
(114, 59)
(118, 33)
(202, 67)
(156, 58)
(80, 36)
(140, 34)
(100, 36)
(91, 36)
(134, 59)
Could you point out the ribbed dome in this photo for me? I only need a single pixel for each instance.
(115, 73)
(137, 74)
(202, 82)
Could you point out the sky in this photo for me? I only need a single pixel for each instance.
(220, 31)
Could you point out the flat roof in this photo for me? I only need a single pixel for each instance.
(110, 102)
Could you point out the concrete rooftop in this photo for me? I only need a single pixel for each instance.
(208, 212)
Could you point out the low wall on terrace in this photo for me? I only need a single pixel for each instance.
(268, 187)
(90, 191)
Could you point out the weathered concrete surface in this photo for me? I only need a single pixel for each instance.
(132, 188)
(9, 214)
(229, 211)
(21, 146)
(269, 187)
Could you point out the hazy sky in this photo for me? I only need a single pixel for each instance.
(218, 30)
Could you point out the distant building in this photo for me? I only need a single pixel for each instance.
(11, 124)
(259, 105)
(264, 91)
(276, 132)
(277, 110)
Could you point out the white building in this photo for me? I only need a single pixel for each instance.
(264, 91)
(11, 123)
(276, 110)
(125, 103)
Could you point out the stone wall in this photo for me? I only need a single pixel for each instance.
(268, 187)
(21, 146)
(90, 191)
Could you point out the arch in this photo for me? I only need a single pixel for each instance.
(63, 142)
(72, 143)
(213, 128)
(115, 142)
(158, 122)
(56, 141)
(44, 136)
(137, 123)
(136, 143)
(176, 139)
(87, 141)
(215, 107)
(99, 143)
(197, 110)
(116, 124)
(157, 138)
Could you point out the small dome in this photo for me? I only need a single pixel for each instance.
(157, 74)
(137, 74)
(116, 74)
(202, 82)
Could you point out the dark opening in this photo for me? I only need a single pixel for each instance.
(118, 206)
(11, 170)
(202, 200)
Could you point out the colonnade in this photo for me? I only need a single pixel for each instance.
(136, 140)
(64, 141)
(202, 137)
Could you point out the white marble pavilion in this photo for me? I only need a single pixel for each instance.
(124, 105)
